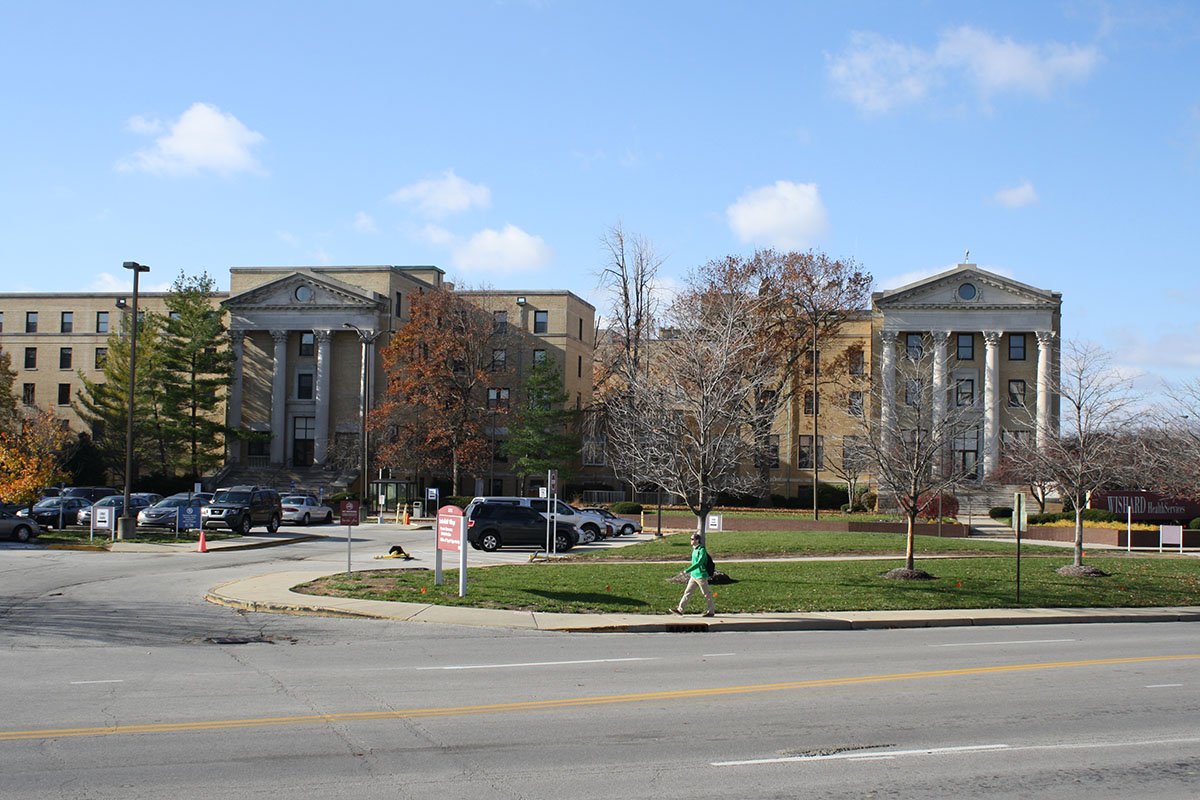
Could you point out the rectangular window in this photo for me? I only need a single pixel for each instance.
(579, 369)
(174, 315)
(539, 356)
(966, 347)
(912, 392)
(64, 358)
(914, 344)
(67, 323)
(581, 329)
(498, 452)
(808, 362)
(541, 320)
(304, 386)
(805, 455)
(28, 397)
(500, 321)
(101, 322)
(308, 344)
(64, 394)
(769, 457)
(1016, 347)
(964, 392)
(854, 453)
(31, 321)
(497, 399)
(1016, 394)
(499, 360)
(809, 404)
(593, 451)
(858, 362)
(399, 304)
(30, 358)
(1, 322)
(854, 405)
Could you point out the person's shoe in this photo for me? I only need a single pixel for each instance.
(677, 612)
(709, 614)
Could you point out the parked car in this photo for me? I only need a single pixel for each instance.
(621, 526)
(165, 512)
(591, 526)
(491, 526)
(91, 493)
(150, 497)
(304, 508)
(55, 512)
(116, 502)
(14, 527)
(240, 508)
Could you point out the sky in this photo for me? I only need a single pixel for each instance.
(1059, 142)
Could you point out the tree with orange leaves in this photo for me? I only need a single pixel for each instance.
(443, 388)
(31, 457)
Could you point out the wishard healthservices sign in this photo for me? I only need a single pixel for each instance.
(1146, 506)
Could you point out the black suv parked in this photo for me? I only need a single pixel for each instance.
(240, 508)
(491, 526)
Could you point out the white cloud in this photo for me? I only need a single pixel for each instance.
(1017, 196)
(146, 126)
(203, 139)
(440, 197)
(507, 250)
(435, 234)
(878, 74)
(364, 223)
(108, 282)
(785, 215)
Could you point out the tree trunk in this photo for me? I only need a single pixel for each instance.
(1078, 535)
(910, 540)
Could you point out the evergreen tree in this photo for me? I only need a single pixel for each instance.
(199, 363)
(540, 435)
(9, 413)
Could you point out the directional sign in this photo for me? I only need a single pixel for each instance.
(104, 518)
(449, 528)
(189, 518)
(348, 512)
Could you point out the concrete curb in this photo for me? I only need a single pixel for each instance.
(272, 593)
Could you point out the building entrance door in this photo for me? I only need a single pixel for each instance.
(304, 440)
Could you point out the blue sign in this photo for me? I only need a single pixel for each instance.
(189, 518)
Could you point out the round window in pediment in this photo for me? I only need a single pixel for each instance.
(967, 291)
(304, 293)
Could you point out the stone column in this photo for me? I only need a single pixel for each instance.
(279, 399)
(991, 407)
(887, 374)
(322, 395)
(233, 412)
(1045, 340)
(940, 338)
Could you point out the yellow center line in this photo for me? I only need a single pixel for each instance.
(570, 702)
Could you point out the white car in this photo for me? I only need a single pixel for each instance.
(302, 509)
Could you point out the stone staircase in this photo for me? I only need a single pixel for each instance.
(310, 480)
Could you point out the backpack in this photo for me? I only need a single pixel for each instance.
(709, 566)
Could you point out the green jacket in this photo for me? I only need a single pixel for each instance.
(699, 559)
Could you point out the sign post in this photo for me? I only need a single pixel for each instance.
(348, 516)
(1020, 522)
(102, 518)
(451, 537)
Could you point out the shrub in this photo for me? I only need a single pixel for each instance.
(626, 507)
(928, 503)
(846, 509)
(1100, 515)
(1001, 512)
(1194, 524)
(460, 500)
(868, 500)
(829, 497)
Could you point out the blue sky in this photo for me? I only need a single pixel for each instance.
(1058, 141)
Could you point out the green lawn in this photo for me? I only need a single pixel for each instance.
(984, 578)
(76, 536)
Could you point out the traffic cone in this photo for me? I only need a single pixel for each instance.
(406, 518)
(203, 546)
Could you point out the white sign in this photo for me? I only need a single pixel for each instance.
(715, 522)
(543, 492)
(104, 517)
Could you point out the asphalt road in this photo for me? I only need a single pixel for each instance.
(120, 682)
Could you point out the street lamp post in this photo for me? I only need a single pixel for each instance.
(127, 525)
(366, 338)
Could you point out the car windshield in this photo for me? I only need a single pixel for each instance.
(295, 500)
(48, 502)
(232, 497)
(115, 500)
(171, 502)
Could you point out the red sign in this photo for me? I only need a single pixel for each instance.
(1147, 506)
(348, 511)
(450, 528)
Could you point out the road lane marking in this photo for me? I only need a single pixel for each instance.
(572, 702)
(863, 755)
(715, 655)
(535, 664)
(1163, 685)
(80, 683)
(989, 644)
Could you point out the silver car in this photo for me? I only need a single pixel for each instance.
(301, 509)
(164, 513)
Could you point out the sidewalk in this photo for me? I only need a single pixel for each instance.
(273, 593)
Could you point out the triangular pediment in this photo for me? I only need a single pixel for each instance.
(965, 287)
(305, 290)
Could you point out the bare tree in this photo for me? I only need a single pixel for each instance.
(912, 449)
(1170, 443)
(1091, 450)
(688, 426)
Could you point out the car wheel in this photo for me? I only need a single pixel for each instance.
(489, 541)
(23, 533)
(306, 519)
(562, 542)
(626, 529)
(273, 523)
(244, 525)
(329, 518)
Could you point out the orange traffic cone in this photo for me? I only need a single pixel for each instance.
(406, 518)
(203, 547)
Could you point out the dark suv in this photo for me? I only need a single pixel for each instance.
(491, 526)
(240, 508)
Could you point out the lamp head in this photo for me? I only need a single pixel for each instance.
(135, 266)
